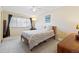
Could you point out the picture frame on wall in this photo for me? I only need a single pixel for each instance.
(47, 18)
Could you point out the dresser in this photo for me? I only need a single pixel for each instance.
(68, 44)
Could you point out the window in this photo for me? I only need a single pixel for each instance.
(20, 22)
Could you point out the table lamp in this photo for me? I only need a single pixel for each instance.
(77, 27)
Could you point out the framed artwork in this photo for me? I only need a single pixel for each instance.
(47, 18)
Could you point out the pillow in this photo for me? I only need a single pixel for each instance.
(48, 28)
(39, 28)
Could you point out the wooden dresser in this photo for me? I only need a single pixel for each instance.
(68, 45)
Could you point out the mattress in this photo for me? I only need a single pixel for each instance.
(34, 37)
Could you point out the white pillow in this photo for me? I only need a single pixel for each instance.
(39, 28)
(48, 28)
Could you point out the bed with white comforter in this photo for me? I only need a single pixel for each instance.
(34, 37)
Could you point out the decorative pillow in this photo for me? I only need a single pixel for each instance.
(39, 28)
(48, 28)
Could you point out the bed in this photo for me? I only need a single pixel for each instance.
(34, 37)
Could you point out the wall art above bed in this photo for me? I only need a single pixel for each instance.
(47, 18)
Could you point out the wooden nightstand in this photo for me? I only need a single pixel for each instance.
(68, 45)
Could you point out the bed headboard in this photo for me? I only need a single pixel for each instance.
(55, 29)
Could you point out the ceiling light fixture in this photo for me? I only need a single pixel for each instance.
(34, 9)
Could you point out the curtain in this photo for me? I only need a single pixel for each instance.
(32, 27)
(31, 23)
(8, 27)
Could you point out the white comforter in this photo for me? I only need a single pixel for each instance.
(34, 37)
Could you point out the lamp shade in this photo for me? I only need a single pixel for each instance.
(77, 26)
(34, 18)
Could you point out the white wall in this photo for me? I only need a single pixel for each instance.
(40, 22)
(65, 18)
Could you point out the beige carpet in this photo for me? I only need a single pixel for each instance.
(15, 45)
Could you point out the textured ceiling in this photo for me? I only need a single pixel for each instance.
(27, 10)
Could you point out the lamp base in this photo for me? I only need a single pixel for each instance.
(77, 37)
